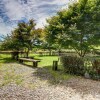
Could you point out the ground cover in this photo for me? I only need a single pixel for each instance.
(22, 82)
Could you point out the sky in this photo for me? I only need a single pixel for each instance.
(14, 11)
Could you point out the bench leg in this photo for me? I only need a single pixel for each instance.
(35, 64)
(20, 61)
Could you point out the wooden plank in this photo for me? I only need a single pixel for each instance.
(28, 59)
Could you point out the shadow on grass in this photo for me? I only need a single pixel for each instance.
(7, 60)
(77, 83)
(28, 65)
(53, 77)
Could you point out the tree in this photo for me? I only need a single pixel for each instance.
(24, 34)
(21, 37)
(76, 27)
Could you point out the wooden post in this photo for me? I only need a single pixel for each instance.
(55, 65)
(35, 64)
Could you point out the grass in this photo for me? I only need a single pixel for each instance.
(46, 62)
(11, 77)
(59, 76)
(8, 76)
(6, 58)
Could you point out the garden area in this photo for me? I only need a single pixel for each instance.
(58, 62)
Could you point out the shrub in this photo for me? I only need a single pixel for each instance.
(94, 69)
(96, 65)
(73, 64)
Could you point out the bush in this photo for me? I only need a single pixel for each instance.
(94, 69)
(73, 65)
(96, 65)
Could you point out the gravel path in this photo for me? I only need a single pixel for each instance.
(37, 86)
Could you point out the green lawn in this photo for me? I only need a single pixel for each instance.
(6, 58)
(46, 62)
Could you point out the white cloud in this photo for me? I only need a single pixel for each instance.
(41, 22)
(4, 29)
(37, 9)
(14, 10)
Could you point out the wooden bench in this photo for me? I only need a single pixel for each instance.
(35, 62)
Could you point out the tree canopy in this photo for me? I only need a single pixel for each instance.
(23, 37)
(76, 27)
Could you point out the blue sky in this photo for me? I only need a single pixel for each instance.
(14, 11)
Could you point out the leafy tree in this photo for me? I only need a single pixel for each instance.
(21, 37)
(76, 27)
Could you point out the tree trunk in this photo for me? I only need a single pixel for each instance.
(27, 53)
(59, 52)
(15, 55)
(50, 52)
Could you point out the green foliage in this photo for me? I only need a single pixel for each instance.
(95, 73)
(92, 67)
(21, 37)
(76, 27)
(37, 37)
(24, 37)
(73, 65)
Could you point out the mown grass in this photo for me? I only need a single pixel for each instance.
(6, 58)
(46, 62)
